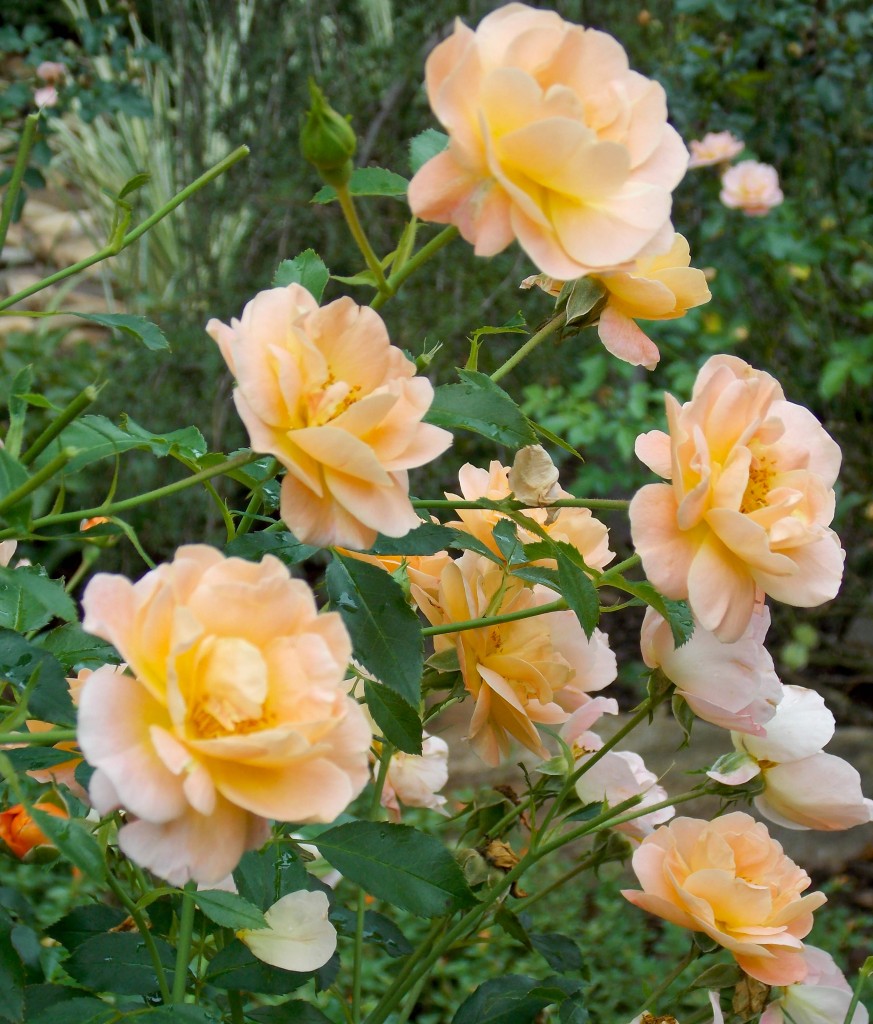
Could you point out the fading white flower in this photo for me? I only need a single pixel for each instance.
(823, 997)
(533, 476)
(416, 779)
(298, 936)
(618, 776)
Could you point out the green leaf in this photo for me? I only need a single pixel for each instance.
(384, 630)
(677, 613)
(293, 1012)
(684, 716)
(186, 443)
(427, 539)
(236, 967)
(577, 588)
(136, 327)
(560, 952)
(574, 1011)
(580, 297)
(76, 844)
(97, 437)
(398, 864)
(718, 976)
(50, 699)
(119, 962)
(27, 759)
(398, 720)
(283, 545)
(367, 181)
(179, 1014)
(481, 406)
(12, 476)
(265, 876)
(76, 1011)
(12, 973)
(21, 384)
(307, 269)
(425, 146)
(134, 184)
(83, 923)
(30, 600)
(505, 535)
(74, 648)
(378, 930)
(229, 910)
(559, 441)
(507, 1000)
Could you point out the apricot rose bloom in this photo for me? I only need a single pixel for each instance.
(751, 187)
(576, 526)
(749, 503)
(339, 406)
(553, 141)
(729, 879)
(236, 711)
(714, 148)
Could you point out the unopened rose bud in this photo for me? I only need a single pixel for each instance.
(327, 140)
(534, 477)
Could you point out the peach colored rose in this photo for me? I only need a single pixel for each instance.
(737, 687)
(576, 526)
(521, 672)
(661, 287)
(749, 504)
(553, 141)
(326, 393)
(823, 997)
(804, 788)
(729, 879)
(751, 187)
(237, 711)
(714, 148)
(512, 670)
(422, 570)
(415, 780)
(656, 288)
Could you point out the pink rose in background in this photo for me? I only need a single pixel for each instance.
(749, 504)
(576, 526)
(729, 879)
(553, 141)
(45, 96)
(714, 148)
(823, 997)
(237, 711)
(326, 393)
(618, 776)
(576, 731)
(415, 780)
(732, 685)
(751, 187)
(804, 788)
(51, 72)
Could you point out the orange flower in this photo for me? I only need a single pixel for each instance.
(21, 833)
(553, 141)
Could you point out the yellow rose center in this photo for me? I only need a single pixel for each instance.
(231, 689)
(760, 484)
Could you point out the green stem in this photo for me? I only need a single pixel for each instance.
(525, 613)
(145, 934)
(38, 479)
(620, 567)
(38, 739)
(111, 508)
(577, 869)
(412, 999)
(425, 253)
(75, 409)
(183, 943)
(347, 204)
(256, 500)
(651, 1000)
(357, 963)
(556, 323)
(113, 248)
(24, 147)
(235, 1002)
(863, 974)
(616, 504)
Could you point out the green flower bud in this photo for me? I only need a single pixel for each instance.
(327, 140)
